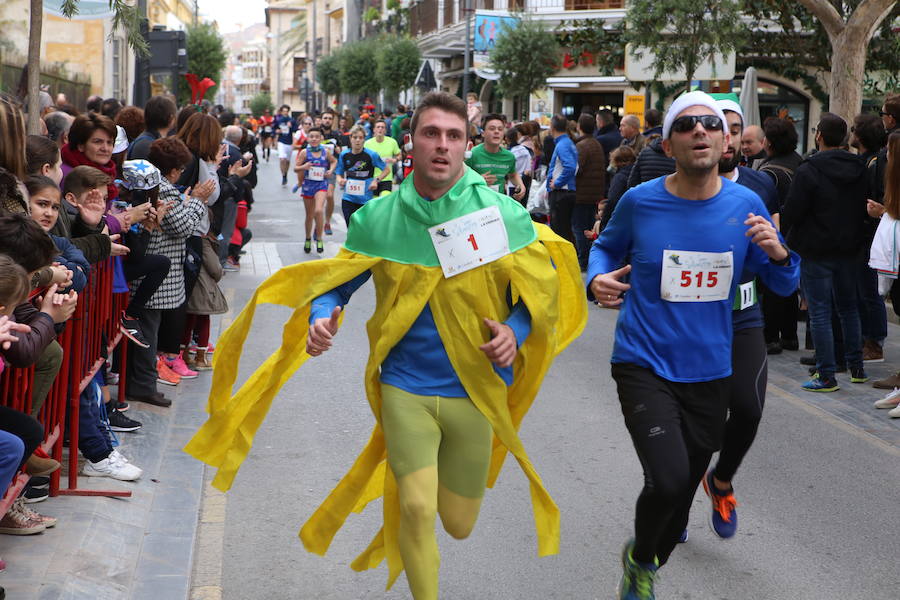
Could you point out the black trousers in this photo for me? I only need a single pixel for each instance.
(675, 428)
(749, 375)
(24, 427)
(562, 202)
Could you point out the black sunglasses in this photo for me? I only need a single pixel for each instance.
(687, 123)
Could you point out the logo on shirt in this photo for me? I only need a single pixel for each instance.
(675, 259)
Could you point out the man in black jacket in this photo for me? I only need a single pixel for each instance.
(824, 217)
(607, 133)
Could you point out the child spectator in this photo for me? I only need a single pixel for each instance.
(44, 202)
(20, 434)
(177, 218)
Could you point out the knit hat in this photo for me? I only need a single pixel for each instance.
(140, 174)
(686, 101)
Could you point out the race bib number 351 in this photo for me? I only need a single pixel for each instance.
(470, 241)
(696, 276)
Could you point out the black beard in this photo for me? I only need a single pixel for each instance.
(727, 166)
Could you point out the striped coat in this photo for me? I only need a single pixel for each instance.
(170, 240)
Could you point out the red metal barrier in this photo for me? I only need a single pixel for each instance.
(96, 319)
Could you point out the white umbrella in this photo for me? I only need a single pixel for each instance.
(749, 98)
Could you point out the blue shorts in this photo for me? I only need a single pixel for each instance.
(311, 188)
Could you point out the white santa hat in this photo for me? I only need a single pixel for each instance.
(686, 101)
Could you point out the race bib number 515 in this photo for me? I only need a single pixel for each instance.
(696, 276)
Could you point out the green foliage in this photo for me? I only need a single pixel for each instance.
(592, 40)
(328, 72)
(125, 17)
(261, 102)
(398, 61)
(371, 14)
(683, 34)
(803, 44)
(358, 69)
(294, 39)
(525, 56)
(205, 58)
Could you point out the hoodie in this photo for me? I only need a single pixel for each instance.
(824, 215)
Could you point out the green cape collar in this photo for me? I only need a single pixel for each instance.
(395, 227)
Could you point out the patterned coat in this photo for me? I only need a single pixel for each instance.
(176, 227)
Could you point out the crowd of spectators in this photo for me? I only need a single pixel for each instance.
(149, 192)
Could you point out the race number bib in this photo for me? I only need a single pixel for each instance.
(316, 173)
(746, 295)
(355, 187)
(696, 276)
(470, 241)
(284, 128)
(268, 129)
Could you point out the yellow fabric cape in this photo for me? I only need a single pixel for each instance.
(554, 297)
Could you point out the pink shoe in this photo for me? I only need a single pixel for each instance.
(178, 365)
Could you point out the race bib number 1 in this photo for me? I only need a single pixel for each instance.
(696, 276)
(355, 187)
(316, 173)
(470, 241)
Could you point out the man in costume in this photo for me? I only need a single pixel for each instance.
(473, 302)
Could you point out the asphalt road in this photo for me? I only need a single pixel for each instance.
(818, 492)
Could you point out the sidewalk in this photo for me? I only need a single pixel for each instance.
(142, 547)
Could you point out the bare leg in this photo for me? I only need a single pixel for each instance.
(310, 205)
(320, 214)
(329, 204)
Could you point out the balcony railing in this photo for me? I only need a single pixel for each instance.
(423, 15)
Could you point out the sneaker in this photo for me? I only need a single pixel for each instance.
(894, 413)
(32, 495)
(112, 466)
(307, 246)
(119, 422)
(320, 247)
(17, 522)
(164, 374)
(131, 328)
(194, 347)
(684, 537)
(723, 517)
(817, 384)
(890, 401)
(295, 188)
(328, 229)
(284, 180)
(120, 406)
(888, 383)
(39, 481)
(637, 577)
(231, 267)
(858, 375)
(872, 352)
(48, 521)
(209, 349)
(178, 365)
(773, 348)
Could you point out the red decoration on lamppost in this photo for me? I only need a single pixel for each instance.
(198, 87)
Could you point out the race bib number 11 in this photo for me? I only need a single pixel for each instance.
(696, 276)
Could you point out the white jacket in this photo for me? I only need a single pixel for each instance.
(885, 252)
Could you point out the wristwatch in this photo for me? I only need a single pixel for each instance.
(784, 261)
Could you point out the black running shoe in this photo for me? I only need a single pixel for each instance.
(39, 481)
(33, 494)
(132, 330)
(119, 422)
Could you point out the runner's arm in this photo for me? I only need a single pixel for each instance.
(339, 296)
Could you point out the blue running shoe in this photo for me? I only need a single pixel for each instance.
(637, 577)
(684, 537)
(723, 518)
(817, 384)
(295, 188)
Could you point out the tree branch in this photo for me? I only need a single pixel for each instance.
(869, 15)
(828, 15)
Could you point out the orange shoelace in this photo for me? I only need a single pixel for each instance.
(724, 505)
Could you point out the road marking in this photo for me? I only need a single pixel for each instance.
(834, 420)
(209, 551)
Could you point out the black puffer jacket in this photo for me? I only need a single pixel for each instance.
(825, 212)
(652, 162)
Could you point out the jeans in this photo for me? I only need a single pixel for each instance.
(92, 440)
(141, 380)
(872, 311)
(583, 216)
(11, 455)
(561, 204)
(823, 280)
(228, 219)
